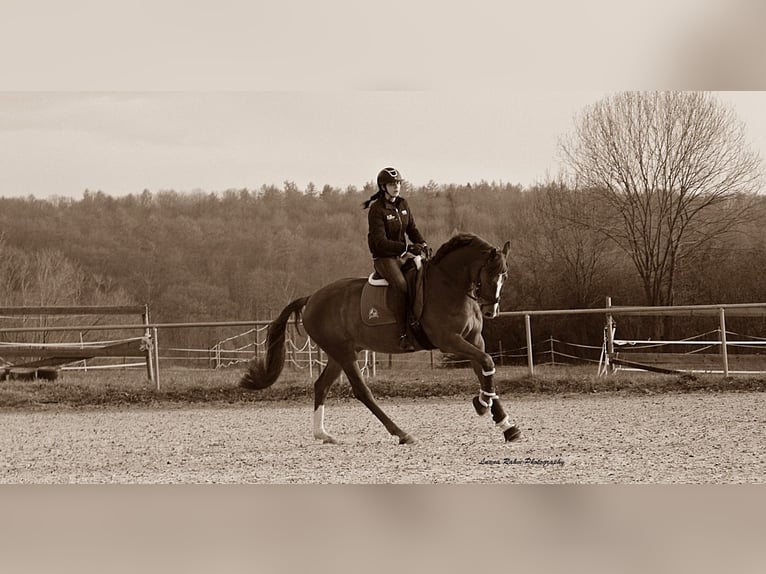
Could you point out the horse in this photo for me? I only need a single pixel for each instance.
(462, 285)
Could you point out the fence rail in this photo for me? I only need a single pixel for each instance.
(609, 355)
(218, 355)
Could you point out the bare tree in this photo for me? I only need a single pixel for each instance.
(15, 274)
(567, 245)
(669, 167)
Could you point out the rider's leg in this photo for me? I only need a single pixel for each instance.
(390, 269)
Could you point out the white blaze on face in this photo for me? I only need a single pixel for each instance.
(496, 308)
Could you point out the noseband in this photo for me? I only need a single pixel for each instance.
(475, 294)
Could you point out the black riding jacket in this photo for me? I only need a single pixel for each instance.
(388, 225)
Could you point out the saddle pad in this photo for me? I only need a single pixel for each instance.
(374, 307)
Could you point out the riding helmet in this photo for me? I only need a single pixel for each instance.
(388, 175)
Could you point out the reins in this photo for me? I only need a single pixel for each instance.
(474, 290)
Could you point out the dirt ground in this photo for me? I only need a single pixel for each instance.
(706, 438)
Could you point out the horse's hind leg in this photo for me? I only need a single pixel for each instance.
(363, 393)
(322, 385)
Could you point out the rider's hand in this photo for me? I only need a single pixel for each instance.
(415, 248)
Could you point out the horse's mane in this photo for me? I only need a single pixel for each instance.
(458, 241)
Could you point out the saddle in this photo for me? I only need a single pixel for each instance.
(377, 309)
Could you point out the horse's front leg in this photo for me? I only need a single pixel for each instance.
(487, 400)
(484, 367)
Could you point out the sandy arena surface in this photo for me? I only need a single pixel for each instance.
(703, 438)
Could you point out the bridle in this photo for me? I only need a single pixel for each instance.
(475, 293)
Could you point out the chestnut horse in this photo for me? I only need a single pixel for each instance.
(461, 286)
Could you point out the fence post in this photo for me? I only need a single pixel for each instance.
(553, 356)
(500, 349)
(85, 361)
(156, 347)
(724, 351)
(609, 337)
(530, 357)
(149, 343)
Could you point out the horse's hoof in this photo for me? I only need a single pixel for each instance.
(481, 410)
(406, 439)
(326, 438)
(512, 434)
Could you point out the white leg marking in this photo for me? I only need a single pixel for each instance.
(319, 431)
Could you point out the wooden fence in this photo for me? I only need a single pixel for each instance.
(612, 358)
(147, 345)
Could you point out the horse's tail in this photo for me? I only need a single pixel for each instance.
(261, 374)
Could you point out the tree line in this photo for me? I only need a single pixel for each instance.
(244, 254)
(658, 205)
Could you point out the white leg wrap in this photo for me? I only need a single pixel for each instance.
(488, 373)
(504, 424)
(490, 396)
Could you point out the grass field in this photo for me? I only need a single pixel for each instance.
(198, 387)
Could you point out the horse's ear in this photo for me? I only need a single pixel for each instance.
(506, 248)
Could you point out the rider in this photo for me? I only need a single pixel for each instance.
(390, 220)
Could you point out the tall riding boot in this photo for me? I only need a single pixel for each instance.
(404, 341)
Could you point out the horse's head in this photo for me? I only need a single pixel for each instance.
(492, 275)
(474, 260)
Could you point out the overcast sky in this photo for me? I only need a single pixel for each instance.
(123, 96)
